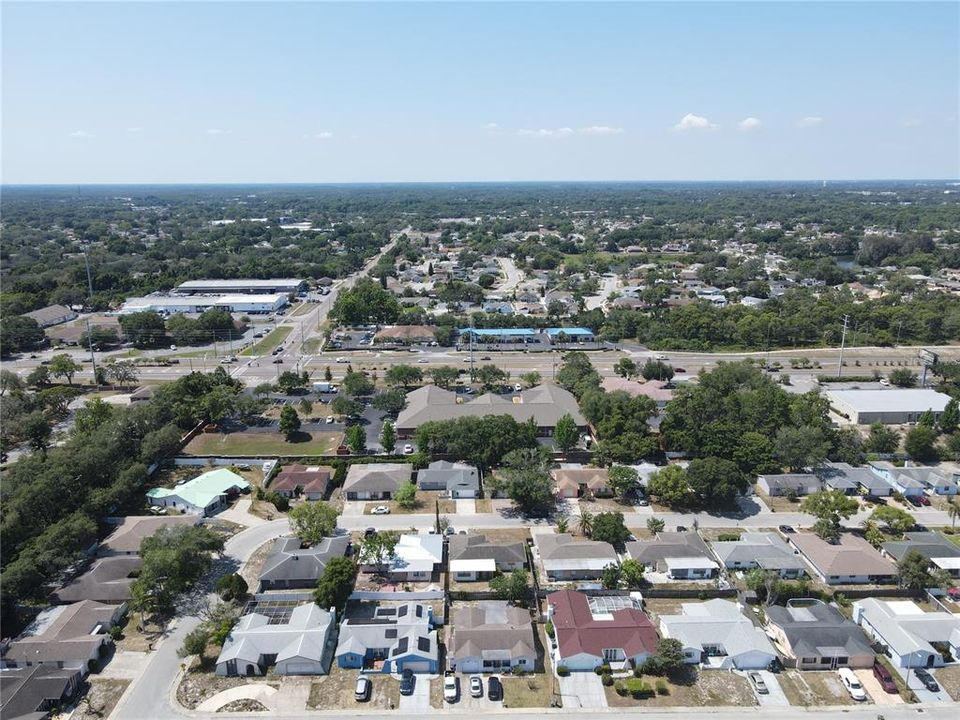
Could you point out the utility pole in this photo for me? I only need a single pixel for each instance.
(93, 358)
(843, 342)
(471, 350)
(86, 261)
(899, 329)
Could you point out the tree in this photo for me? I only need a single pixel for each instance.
(801, 447)
(950, 417)
(668, 658)
(953, 511)
(895, 520)
(11, 383)
(289, 382)
(927, 419)
(586, 523)
(336, 583)
(263, 389)
(565, 433)
(39, 377)
(577, 374)
(64, 366)
(482, 441)
(524, 478)
(444, 376)
(356, 384)
(306, 407)
(754, 454)
(531, 379)
(670, 486)
(403, 376)
(625, 367)
(356, 439)
(716, 481)
(388, 437)
(828, 506)
(920, 443)
(882, 439)
(123, 372)
(656, 370)
(92, 415)
(289, 422)
(904, 378)
(390, 402)
(346, 407)
(378, 549)
(916, 572)
(327, 374)
(610, 577)
(513, 586)
(406, 496)
(194, 643)
(173, 560)
(623, 480)
(490, 376)
(655, 525)
(766, 583)
(232, 586)
(37, 431)
(19, 334)
(366, 302)
(313, 521)
(631, 573)
(609, 527)
(57, 399)
(144, 329)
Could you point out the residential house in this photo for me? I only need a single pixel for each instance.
(472, 557)
(491, 636)
(415, 558)
(588, 636)
(911, 637)
(573, 481)
(764, 550)
(297, 643)
(849, 561)
(107, 581)
(681, 555)
(848, 479)
(290, 566)
(310, 481)
(564, 558)
(132, 531)
(904, 483)
(206, 494)
(376, 481)
(544, 405)
(716, 634)
(73, 636)
(797, 484)
(390, 640)
(34, 693)
(457, 480)
(660, 391)
(817, 636)
(932, 545)
(919, 477)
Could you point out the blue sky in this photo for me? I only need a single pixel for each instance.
(364, 92)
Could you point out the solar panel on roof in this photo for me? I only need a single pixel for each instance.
(390, 633)
(401, 647)
(402, 612)
(423, 644)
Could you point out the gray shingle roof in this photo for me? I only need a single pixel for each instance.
(490, 629)
(477, 547)
(817, 629)
(289, 563)
(377, 477)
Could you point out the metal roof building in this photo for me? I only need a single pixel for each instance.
(894, 406)
(242, 285)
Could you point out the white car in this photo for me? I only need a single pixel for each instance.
(408, 449)
(518, 387)
(329, 419)
(173, 347)
(852, 683)
(380, 510)
(423, 361)
(476, 686)
(884, 382)
(342, 360)
(660, 357)
(451, 688)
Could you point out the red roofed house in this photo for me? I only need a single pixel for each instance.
(589, 636)
(295, 479)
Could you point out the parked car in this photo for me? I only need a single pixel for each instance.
(927, 679)
(408, 449)
(369, 532)
(679, 370)
(786, 529)
(643, 502)
(361, 693)
(277, 361)
(423, 361)
(517, 387)
(329, 419)
(884, 677)
(852, 683)
(485, 357)
(406, 682)
(476, 686)
(451, 688)
(342, 360)
(494, 689)
(924, 500)
(758, 684)
(954, 593)
(380, 510)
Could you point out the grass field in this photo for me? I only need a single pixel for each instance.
(268, 343)
(259, 443)
(302, 309)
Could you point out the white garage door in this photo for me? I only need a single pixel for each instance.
(301, 668)
(468, 666)
(422, 666)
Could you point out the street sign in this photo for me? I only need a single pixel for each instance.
(927, 358)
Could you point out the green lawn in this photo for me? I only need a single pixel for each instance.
(273, 338)
(259, 443)
(302, 309)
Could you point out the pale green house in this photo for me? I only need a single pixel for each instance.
(206, 494)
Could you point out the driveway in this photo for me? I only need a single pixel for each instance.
(923, 695)
(775, 696)
(875, 689)
(478, 705)
(467, 506)
(419, 701)
(583, 690)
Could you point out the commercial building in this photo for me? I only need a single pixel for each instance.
(890, 407)
(253, 304)
(245, 286)
(51, 315)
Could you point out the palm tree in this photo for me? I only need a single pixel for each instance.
(953, 511)
(586, 523)
(561, 525)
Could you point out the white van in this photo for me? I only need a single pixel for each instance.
(852, 683)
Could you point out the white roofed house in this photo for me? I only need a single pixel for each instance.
(912, 638)
(766, 551)
(296, 643)
(415, 558)
(718, 635)
(457, 480)
(680, 555)
(564, 558)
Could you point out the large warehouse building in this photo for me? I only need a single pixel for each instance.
(890, 407)
(242, 285)
(199, 303)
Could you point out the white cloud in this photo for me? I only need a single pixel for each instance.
(80, 134)
(749, 123)
(809, 121)
(693, 122)
(323, 135)
(600, 130)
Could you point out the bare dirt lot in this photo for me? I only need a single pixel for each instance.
(706, 688)
(199, 685)
(813, 687)
(100, 699)
(335, 691)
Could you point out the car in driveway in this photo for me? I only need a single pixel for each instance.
(852, 684)
(758, 684)
(927, 679)
(380, 510)
(361, 692)
(786, 529)
(408, 449)
(884, 677)
(451, 688)
(329, 419)
(476, 686)
(406, 682)
(494, 689)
